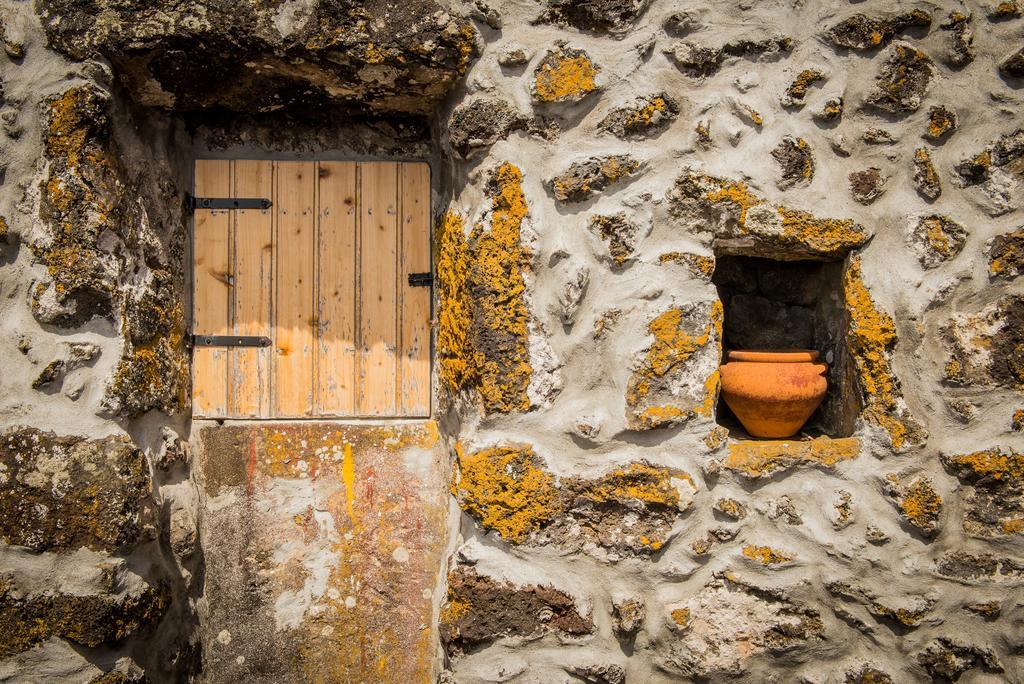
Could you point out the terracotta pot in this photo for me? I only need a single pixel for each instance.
(773, 392)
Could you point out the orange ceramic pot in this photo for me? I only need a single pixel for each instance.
(773, 392)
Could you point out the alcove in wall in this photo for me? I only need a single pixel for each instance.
(773, 304)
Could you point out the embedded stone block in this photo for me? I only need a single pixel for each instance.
(396, 57)
(565, 75)
(628, 511)
(761, 459)
(730, 621)
(746, 224)
(985, 348)
(60, 493)
(481, 609)
(583, 179)
(995, 507)
(676, 378)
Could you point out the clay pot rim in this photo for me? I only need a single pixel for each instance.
(773, 355)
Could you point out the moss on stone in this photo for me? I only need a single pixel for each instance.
(629, 509)
(642, 118)
(700, 265)
(777, 231)
(942, 121)
(797, 90)
(917, 501)
(483, 322)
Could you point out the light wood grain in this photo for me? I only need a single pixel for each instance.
(249, 367)
(211, 293)
(336, 290)
(294, 310)
(414, 304)
(323, 273)
(378, 292)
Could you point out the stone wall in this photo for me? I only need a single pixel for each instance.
(591, 162)
(604, 154)
(116, 541)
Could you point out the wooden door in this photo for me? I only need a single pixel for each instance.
(324, 275)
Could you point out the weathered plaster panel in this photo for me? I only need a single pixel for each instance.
(324, 544)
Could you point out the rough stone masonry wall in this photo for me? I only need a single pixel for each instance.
(600, 153)
(105, 518)
(603, 151)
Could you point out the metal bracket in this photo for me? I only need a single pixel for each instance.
(421, 279)
(228, 203)
(229, 341)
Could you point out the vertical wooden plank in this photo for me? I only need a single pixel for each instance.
(249, 367)
(414, 304)
(211, 290)
(378, 296)
(336, 290)
(294, 314)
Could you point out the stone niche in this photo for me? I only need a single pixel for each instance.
(772, 304)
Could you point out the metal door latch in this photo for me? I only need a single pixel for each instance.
(229, 341)
(421, 279)
(228, 203)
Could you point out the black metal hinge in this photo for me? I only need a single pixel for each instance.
(229, 341)
(228, 203)
(421, 279)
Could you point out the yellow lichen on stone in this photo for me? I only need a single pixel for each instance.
(762, 458)
(372, 54)
(766, 555)
(643, 116)
(673, 346)
(455, 358)
(454, 609)
(747, 112)
(700, 265)
(502, 320)
(1007, 254)
(737, 194)
(918, 502)
(507, 490)
(994, 463)
(67, 129)
(798, 88)
(780, 228)
(871, 336)
(716, 437)
(681, 617)
(638, 482)
(936, 236)
(825, 235)
(1013, 526)
(565, 76)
